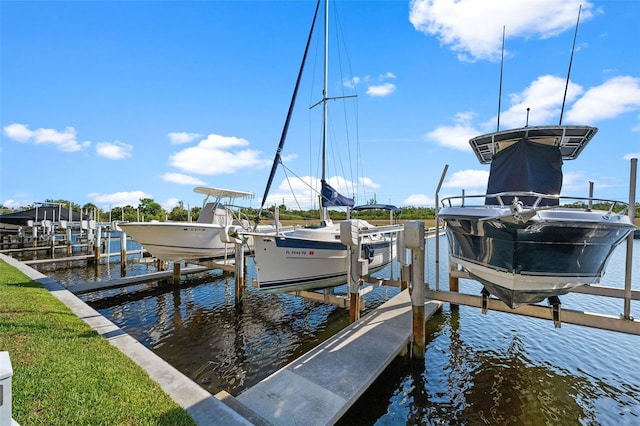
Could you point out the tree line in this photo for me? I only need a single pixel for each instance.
(148, 210)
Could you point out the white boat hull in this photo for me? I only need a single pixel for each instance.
(548, 254)
(179, 242)
(287, 262)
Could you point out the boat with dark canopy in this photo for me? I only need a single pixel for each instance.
(523, 240)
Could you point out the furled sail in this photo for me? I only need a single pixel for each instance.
(332, 198)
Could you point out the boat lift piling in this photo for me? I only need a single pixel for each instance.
(444, 173)
(123, 252)
(97, 244)
(232, 235)
(176, 273)
(632, 214)
(240, 258)
(414, 238)
(356, 266)
(410, 236)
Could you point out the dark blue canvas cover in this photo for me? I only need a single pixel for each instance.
(528, 167)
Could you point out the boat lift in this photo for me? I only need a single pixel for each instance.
(624, 323)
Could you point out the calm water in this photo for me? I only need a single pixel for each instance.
(479, 369)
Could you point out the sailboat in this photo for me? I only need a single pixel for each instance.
(313, 257)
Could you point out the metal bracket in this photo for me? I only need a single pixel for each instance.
(556, 309)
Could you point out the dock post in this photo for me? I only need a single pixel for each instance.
(97, 241)
(414, 239)
(233, 235)
(454, 284)
(632, 214)
(354, 284)
(52, 241)
(239, 271)
(356, 268)
(123, 252)
(176, 273)
(405, 269)
(34, 231)
(69, 236)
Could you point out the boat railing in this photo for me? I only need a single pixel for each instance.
(586, 203)
(238, 215)
(381, 230)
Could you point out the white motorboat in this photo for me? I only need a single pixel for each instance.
(524, 241)
(194, 241)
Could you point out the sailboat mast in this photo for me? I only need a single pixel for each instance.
(324, 216)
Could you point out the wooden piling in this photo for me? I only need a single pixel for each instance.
(52, 243)
(123, 252)
(176, 273)
(239, 271)
(414, 239)
(69, 242)
(349, 236)
(97, 241)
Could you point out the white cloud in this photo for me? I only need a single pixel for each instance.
(457, 136)
(368, 183)
(170, 203)
(118, 199)
(14, 204)
(114, 150)
(473, 29)
(381, 90)
(631, 155)
(65, 141)
(419, 200)
(543, 97)
(18, 132)
(468, 179)
(615, 96)
(376, 86)
(182, 137)
(573, 182)
(217, 155)
(182, 179)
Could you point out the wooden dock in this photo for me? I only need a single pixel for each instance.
(320, 386)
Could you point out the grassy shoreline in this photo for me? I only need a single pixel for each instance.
(64, 372)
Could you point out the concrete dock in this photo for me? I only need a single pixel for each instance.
(320, 386)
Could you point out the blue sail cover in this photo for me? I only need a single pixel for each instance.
(331, 197)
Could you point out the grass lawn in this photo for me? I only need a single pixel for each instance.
(64, 373)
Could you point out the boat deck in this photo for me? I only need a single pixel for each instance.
(320, 386)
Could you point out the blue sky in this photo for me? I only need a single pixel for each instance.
(110, 102)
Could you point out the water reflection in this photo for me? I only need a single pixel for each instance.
(504, 382)
(479, 369)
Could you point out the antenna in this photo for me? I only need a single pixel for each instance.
(575, 35)
(500, 91)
